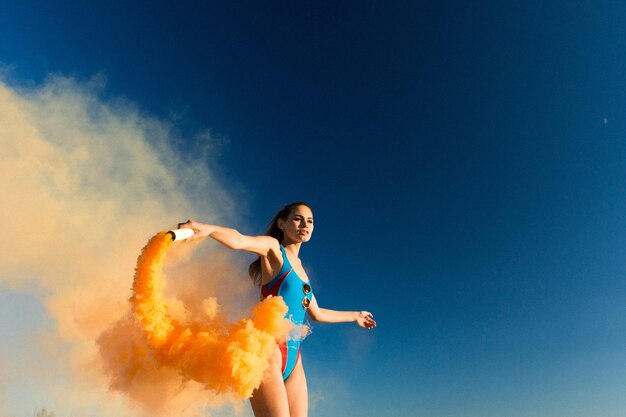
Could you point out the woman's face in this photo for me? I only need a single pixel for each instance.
(298, 226)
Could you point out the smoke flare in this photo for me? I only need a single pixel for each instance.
(225, 358)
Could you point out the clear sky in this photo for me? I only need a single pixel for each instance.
(465, 162)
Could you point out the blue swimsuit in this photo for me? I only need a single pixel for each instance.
(297, 294)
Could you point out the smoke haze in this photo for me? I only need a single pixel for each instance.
(84, 183)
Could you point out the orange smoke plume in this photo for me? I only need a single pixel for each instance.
(148, 343)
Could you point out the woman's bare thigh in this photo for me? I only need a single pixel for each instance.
(297, 391)
(270, 399)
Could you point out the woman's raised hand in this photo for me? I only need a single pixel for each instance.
(200, 229)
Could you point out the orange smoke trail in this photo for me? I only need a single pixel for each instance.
(224, 358)
(148, 305)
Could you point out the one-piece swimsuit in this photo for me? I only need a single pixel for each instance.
(294, 291)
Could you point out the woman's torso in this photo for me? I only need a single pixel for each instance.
(289, 285)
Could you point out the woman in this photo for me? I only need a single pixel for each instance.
(278, 270)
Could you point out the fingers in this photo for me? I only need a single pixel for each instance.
(368, 326)
(186, 225)
(367, 320)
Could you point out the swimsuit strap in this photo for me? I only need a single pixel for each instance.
(284, 270)
(286, 263)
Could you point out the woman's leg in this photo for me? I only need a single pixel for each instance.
(270, 399)
(297, 392)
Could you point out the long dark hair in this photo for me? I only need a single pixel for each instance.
(254, 270)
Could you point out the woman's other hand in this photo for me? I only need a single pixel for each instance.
(366, 320)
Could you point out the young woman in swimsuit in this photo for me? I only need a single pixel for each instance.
(279, 271)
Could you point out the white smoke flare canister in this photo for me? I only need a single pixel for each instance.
(181, 234)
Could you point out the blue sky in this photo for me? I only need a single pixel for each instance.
(465, 165)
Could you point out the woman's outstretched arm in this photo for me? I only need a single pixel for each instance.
(231, 238)
(364, 319)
